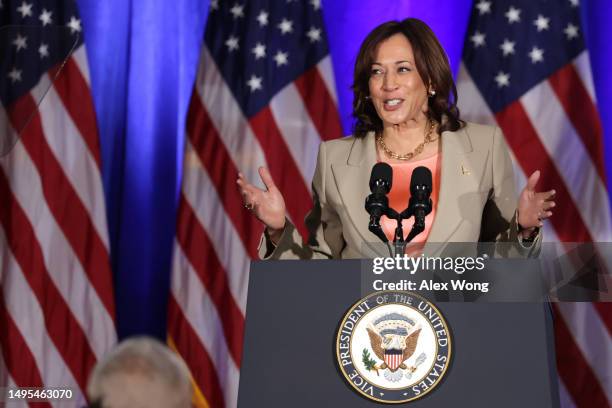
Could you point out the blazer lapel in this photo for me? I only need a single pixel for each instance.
(352, 180)
(456, 146)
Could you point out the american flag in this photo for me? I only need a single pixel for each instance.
(526, 69)
(56, 299)
(264, 96)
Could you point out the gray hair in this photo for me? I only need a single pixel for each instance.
(140, 372)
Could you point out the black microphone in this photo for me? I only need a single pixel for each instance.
(377, 203)
(420, 203)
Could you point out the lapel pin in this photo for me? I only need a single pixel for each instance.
(465, 171)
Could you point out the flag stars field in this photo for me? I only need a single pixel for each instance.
(513, 15)
(20, 43)
(262, 18)
(483, 7)
(542, 23)
(536, 54)
(281, 58)
(571, 31)
(507, 47)
(43, 50)
(478, 39)
(259, 51)
(25, 9)
(45, 17)
(255, 83)
(286, 26)
(15, 75)
(237, 11)
(502, 79)
(75, 25)
(314, 34)
(232, 43)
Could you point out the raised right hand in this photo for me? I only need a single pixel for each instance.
(268, 206)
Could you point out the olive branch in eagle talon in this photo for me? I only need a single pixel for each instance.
(370, 364)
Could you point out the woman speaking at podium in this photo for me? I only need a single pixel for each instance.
(406, 115)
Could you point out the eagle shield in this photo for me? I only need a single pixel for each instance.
(393, 358)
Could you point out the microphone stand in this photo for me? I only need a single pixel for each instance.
(398, 237)
(417, 227)
(399, 243)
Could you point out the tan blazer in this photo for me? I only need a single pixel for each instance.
(477, 198)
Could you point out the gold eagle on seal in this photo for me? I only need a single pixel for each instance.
(393, 338)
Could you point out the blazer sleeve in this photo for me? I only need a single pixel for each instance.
(500, 218)
(324, 227)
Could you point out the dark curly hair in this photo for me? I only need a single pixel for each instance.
(431, 63)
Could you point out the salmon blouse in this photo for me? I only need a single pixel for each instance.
(400, 194)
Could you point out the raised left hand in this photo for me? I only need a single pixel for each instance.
(534, 207)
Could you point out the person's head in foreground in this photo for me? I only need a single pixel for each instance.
(140, 373)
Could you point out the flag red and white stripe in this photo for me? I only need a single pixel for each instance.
(57, 313)
(555, 128)
(216, 238)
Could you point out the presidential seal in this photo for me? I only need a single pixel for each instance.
(393, 346)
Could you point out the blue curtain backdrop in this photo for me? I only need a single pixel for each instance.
(143, 56)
